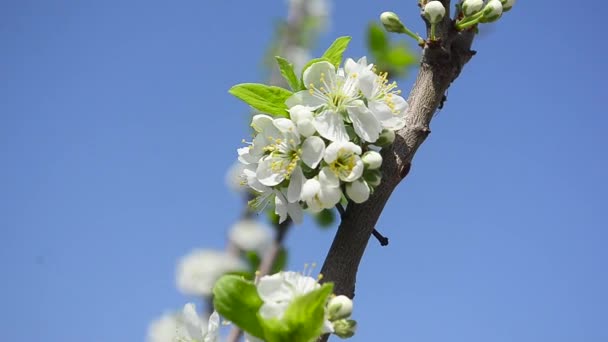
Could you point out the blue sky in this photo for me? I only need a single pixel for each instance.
(116, 130)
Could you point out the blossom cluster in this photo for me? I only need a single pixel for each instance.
(326, 145)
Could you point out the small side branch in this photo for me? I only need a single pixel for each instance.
(381, 238)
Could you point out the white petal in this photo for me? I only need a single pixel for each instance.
(304, 97)
(365, 123)
(296, 181)
(273, 310)
(266, 175)
(356, 172)
(387, 118)
(331, 152)
(306, 127)
(310, 189)
(367, 83)
(312, 151)
(295, 212)
(285, 125)
(260, 122)
(328, 178)
(213, 328)
(330, 126)
(299, 112)
(319, 75)
(271, 288)
(280, 206)
(329, 196)
(358, 191)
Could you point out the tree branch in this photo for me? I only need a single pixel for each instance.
(441, 63)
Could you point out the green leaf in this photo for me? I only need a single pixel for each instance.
(303, 319)
(288, 74)
(325, 218)
(377, 39)
(254, 260)
(305, 315)
(238, 301)
(267, 99)
(334, 53)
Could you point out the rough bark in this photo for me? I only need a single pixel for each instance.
(441, 64)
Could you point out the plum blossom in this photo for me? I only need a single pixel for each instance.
(198, 271)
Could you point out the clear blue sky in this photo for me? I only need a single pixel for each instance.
(116, 130)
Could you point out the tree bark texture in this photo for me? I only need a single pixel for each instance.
(441, 63)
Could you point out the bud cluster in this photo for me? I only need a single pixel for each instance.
(479, 11)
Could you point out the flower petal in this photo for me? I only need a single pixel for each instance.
(296, 181)
(319, 75)
(265, 173)
(365, 123)
(356, 172)
(330, 126)
(387, 118)
(313, 149)
(304, 97)
(358, 191)
(260, 122)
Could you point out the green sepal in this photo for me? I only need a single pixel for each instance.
(334, 53)
(266, 99)
(288, 73)
(237, 300)
(303, 319)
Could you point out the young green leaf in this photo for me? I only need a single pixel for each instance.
(288, 74)
(377, 39)
(305, 315)
(266, 99)
(334, 53)
(238, 301)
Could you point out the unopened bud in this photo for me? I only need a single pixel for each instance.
(434, 11)
(470, 7)
(339, 307)
(372, 159)
(391, 22)
(358, 191)
(386, 138)
(492, 11)
(372, 177)
(507, 4)
(345, 328)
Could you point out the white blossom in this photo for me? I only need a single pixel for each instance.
(277, 291)
(470, 7)
(185, 326)
(383, 98)
(250, 235)
(340, 307)
(492, 11)
(343, 159)
(333, 95)
(198, 271)
(323, 191)
(372, 160)
(434, 11)
(358, 191)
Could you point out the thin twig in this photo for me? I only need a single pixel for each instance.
(381, 238)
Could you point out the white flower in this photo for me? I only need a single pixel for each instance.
(343, 159)
(383, 99)
(284, 153)
(322, 192)
(339, 307)
(372, 160)
(434, 11)
(492, 11)
(335, 97)
(198, 271)
(470, 7)
(280, 289)
(302, 116)
(234, 177)
(358, 191)
(283, 208)
(186, 326)
(250, 235)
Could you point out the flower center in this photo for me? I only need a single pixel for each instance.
(344, 164)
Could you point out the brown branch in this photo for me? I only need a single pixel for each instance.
(441, 64)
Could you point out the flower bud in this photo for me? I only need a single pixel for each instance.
(372, 177)
(339, 307)
(358, 191)
(434, 11)
(492, 11)
(507, 4)
(470, 7)
(372, 160)
(386, 138)
(345, 328)
(391, 22)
